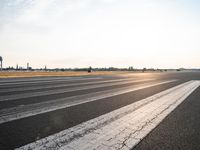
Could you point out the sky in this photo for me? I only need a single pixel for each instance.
(100, 33)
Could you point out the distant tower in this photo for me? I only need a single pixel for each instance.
(27, 66)
(17, 67)
(45, 68)
(1, 61)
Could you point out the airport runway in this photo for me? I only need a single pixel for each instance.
(127, 111)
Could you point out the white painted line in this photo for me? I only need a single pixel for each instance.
(51, 81)
(59, 91)
(64, 85)
(19, 112)
(30, 79)
(121, 129)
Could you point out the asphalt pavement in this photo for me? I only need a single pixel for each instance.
(35, 108)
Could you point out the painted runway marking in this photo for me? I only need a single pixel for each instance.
(122, 128)
(63, 85)
(47, 81)
(15, 113)
(59, 91)
(31, 79)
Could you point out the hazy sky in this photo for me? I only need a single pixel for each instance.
(100, 33)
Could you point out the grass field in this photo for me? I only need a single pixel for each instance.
(15, 74)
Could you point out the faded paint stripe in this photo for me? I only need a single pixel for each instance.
(64, 85)
(59, 91)
(49, 81)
